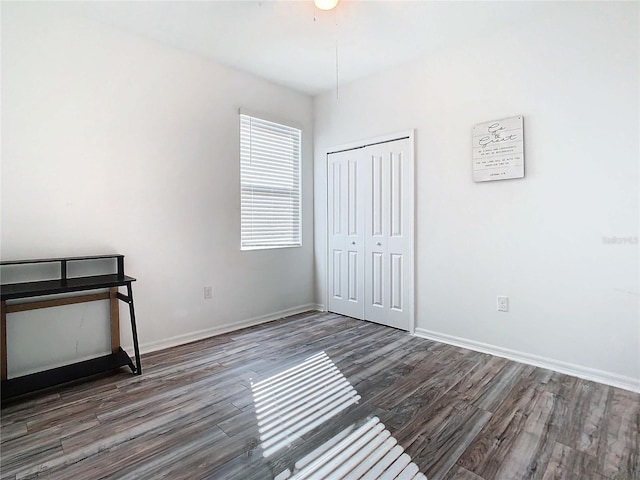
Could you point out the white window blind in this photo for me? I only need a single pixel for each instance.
(270, 184)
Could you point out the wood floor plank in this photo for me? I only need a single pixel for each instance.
(413, 384)
(116, 452)
(487, 454)
(459, 473)
(411, 411)
(569, 464)
(618, 451)
(54, 434)
(439, 450)
(533, 446)
(11, 431)
(490, 384)
(459, 414)
(34, 453)
(585, 424)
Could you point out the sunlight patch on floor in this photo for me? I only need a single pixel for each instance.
(296, 401)
(302, 398)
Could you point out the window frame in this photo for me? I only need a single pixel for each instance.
(296, 222)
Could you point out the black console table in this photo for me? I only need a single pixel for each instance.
(13, 387)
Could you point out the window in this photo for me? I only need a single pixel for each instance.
(270, 184)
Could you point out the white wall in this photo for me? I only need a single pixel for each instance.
(574, 299)
(112, 143)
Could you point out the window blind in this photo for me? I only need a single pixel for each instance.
(270, 184)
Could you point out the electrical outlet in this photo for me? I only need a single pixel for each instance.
(503, 304)
(208, 292)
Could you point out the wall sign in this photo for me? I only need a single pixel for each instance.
(498, 150)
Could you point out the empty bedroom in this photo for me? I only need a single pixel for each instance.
(287, 239)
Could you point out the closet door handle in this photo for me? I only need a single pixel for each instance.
(353, 243)
(378, 244)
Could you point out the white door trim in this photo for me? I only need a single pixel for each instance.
(410, 134)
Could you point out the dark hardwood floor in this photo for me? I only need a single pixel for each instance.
(325, 395)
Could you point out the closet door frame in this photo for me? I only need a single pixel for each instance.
(410, 134)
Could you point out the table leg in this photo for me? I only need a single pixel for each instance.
(3, 341)
(134, 330)
(114, 307)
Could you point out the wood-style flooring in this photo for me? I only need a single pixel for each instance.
(458, 414)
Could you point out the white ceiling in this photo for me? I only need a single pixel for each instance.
(294, 44)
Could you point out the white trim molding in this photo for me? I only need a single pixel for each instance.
(220, 329)
(190, 337)
(592, 374)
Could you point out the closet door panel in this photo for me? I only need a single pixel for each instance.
(346, 224)
(387, 278)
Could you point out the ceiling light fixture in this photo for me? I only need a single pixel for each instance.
(325, 4)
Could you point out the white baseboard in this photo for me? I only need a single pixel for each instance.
(181, 339)
(148, 347)
(592, 374)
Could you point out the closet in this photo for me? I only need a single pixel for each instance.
(370, 233)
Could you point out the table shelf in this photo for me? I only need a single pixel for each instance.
(15, 387)
(12, 291)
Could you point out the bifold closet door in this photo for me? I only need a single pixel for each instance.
(388, 217)
(369, 221)
(346, 233)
